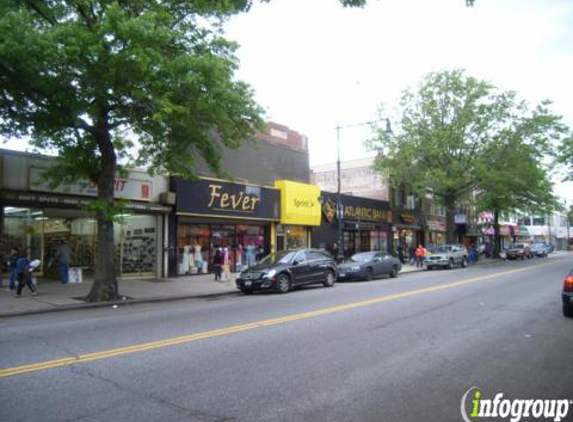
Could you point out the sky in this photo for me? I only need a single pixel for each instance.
(315, 65)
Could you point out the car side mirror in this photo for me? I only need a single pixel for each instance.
(295, 262)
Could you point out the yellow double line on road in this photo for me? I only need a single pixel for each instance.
(74, 360)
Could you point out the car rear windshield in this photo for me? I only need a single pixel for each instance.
(362, 257)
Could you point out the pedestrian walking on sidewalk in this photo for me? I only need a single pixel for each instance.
(472, 254)
(420, 256)
(218, 264)
(24, 274)
(63, 255)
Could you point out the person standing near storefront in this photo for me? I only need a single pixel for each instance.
(63, 255)
(14, 254)
(24, 274)
(218, 264)
(420, 255)
(472, 254)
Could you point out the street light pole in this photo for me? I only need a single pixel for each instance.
(339, 205)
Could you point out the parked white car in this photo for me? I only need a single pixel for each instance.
(447, 256)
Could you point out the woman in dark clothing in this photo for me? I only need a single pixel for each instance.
(14, 255)
(24, 274)
(218, 264)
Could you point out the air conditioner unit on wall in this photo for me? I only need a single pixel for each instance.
(167, 198)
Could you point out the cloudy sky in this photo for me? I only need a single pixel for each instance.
(315, 65)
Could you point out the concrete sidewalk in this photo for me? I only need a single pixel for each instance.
(54, 296)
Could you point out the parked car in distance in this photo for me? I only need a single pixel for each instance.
(284, 270)
(367, 265)
(567, 295)
(447, 256)
(539, 249)
(518, 251)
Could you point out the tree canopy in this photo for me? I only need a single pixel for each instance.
(459, 135)
(84, 77)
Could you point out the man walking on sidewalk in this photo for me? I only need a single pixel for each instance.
(420, 255)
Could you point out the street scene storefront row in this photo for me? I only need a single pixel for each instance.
(210, 214)
(366, 225)
(38, 218)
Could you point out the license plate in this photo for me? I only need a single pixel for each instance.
(248, 283)
(342, 275)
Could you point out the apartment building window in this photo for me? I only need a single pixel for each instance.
(410, 202)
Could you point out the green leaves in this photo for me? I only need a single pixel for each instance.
(459, 136)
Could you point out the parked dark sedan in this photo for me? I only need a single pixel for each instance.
(284, 270)
(518, 251)
(567, 295)
(367, 265)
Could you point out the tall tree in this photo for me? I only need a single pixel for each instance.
(444, 128)
(78, 76)
(458, 135)
(565, 156)
(514, 176)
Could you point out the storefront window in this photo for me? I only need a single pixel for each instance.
(296, 237)
(379, 241)
(193, 243)
(22, 228)
(137, 246)
(250, 245)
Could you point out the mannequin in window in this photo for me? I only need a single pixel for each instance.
(250, 254)
(185, 262)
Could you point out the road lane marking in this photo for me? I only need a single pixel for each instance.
(106, 354)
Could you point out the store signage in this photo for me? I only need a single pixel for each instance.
(209, 197)
(356, 209)
(299, 203)
(329, 210)
(436, 225)
(39, 199)
(131, 189)
(408, 218)
(365, 213)
(220, 199)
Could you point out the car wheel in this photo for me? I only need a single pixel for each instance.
(282, 285)
(464, 262)
(451, 264)
(568, 311)
(369, 275)
(329, 282)
(394, 272)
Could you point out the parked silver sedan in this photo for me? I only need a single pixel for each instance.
(367, 265)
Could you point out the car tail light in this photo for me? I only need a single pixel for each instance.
(568, 284)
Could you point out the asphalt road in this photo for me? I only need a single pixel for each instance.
(404, 349)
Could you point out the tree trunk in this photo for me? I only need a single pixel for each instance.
(104, 287)
(496, 237)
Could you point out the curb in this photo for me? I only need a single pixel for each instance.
(82, 306)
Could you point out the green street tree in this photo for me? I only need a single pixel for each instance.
(83, 77)
(513, 176)
(443, 129)
(565, 157)
(449, 128)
